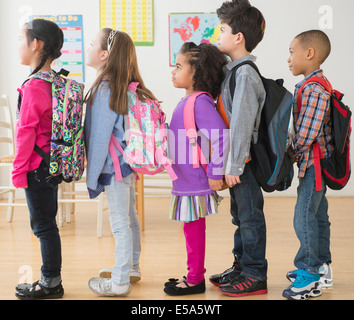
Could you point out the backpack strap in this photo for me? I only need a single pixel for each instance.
(232, 85)
(191, 131)
(324, 83)
(133, 86)
(63, 72)
(317, 152)
(113, 144)
(45, 156)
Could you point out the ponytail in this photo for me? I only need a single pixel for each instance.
(52, 36)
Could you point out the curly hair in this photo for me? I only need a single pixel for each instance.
(207, 62)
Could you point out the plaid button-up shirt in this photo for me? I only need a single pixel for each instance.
(312, 123)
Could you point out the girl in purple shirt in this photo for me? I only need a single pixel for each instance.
(194, 197)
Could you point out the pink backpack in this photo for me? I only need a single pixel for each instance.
(146, 150)
(191, 130)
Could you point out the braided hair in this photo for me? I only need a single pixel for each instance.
(52, 36)
(207, 62)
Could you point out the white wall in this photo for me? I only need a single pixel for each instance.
(285, 19)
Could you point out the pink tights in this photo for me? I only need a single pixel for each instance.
(194, 233)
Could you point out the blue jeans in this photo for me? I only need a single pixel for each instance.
(42, 202)
(250, 236)
(311, 223)
(125, 227)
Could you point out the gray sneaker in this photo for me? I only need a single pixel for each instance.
(103, 288)
(326, 276)
(135, 274)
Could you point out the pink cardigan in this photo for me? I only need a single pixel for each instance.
(34, 126)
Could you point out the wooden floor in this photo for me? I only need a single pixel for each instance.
(163, 254)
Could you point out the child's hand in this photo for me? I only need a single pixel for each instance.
(215, 185)
(294, 158)
(232, 180)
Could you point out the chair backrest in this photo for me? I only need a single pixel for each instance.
(6, 127)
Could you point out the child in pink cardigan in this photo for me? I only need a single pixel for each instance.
(40, 43)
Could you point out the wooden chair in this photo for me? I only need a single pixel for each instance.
(71, 193)
(7, 145)
(158, 186)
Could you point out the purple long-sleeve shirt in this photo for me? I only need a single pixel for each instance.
(211, 131)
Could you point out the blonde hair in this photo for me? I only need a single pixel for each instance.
(120, 69)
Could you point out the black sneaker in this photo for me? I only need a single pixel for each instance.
(244, 286)
(228, 275)
(30, 293)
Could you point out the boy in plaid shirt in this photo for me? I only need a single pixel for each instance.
(308, 51)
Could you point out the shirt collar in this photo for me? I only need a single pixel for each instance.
(233, 64)
(316, 73)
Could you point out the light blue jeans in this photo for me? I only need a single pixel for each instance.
(125, 227)
(311, 223)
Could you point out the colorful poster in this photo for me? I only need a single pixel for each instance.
(194, 27)
(72, 58)
(135, 17)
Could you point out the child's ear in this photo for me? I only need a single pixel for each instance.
(310, 53)
(239, 38)
(104, 55)
(37, 45)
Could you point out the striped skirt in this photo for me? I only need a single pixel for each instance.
(191, 208)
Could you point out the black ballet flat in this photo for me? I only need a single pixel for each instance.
(173, 290)
(173, 281)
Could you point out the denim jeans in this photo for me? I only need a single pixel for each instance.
(250, 235)
(125, 227)
(311, 223)
(42, 202)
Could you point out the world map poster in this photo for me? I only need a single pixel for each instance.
(195, 27)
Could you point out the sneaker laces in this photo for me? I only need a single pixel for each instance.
(234, 266)
(303, 279)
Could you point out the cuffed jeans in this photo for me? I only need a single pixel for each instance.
(125, 227)
(311, 223)
(250, 235)
(42, 202)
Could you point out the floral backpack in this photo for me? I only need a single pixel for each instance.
(67, 153)
(146, 136)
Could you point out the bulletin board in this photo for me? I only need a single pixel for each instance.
(72, 58)
(135, 17)
(193, 26)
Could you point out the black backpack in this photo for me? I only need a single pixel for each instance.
(271, 163)
(335, 169)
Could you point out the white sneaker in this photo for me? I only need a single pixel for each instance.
(135, 274)
(326, 276)
(104, 287)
